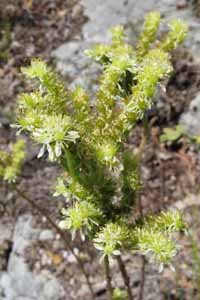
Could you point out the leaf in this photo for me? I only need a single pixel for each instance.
(196, 139)
(172, 134)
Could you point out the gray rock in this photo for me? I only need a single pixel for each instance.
(131, 13)
(73, 62)
(46, 235)
(190, 119)
(70, 57)
(19, 282)
(24, 234)
(6, 231)
(66, 54)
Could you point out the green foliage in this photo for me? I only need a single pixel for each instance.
(45, 111)
(176, 35)
(82, 215)
(148, 35)
(61, 188)
(196, 261)
(172, 134)
(11, 162)
(154, 67)
(101, 178)
(175, 133)
(196, 139)
(111, 238)
(167, 222)
(119, 294)
(154, 236)
(55, 133)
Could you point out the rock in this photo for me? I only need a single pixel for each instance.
(19, 282)
(5, 249)
(6, 231)
(152, 286)
(190, 119)
(73, 63)
(24, 234)
(70, 58)
(46, 235)
(65, 58)
(181, 4)
(69, 257)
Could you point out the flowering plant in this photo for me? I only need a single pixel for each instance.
(87, 139)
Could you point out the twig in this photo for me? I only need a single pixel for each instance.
(142, 280)
(108, 278)
(125, 277)
(67, 242)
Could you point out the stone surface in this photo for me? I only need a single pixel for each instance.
(19, 282)
(131, 13)
(190, 119)
(46, 235)
(6, 231)
(70, 58)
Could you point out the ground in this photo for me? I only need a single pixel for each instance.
(31, 253)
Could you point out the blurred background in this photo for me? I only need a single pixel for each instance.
(35, 262)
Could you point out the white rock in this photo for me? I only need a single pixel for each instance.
(19, 282)
(70, 57)
(190, 119)
(46, 235)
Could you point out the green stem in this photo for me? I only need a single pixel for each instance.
(71, 165)
(143, 143)
(108, 278)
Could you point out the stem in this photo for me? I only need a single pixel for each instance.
(125, 277)
(71, 165)
(142, 280)
(108, 278)
(141, 151)
(67, 242)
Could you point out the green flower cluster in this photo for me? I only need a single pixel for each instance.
(149, 33)
(81, 216)
(11, 162)
(111, 238)
(101, 178)
(42, 112)
(119, 294)
(154, 236)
